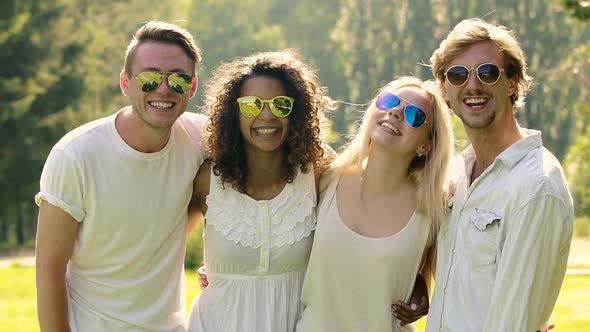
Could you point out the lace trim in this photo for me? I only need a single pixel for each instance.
(239, 218)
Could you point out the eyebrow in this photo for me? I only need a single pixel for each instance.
(175, 70)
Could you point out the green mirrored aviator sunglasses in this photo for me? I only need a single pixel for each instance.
(151, 80)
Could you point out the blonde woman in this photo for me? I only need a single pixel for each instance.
(379, 215)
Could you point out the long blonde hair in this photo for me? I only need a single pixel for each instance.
(427, 172)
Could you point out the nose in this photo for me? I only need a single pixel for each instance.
(396, 112)
(164, 87)
(266, 113)
(472, 80)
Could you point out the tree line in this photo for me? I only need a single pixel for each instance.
(61, 61)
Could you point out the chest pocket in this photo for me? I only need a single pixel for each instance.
(482, 237)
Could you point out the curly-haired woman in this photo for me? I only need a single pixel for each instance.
(259, 191)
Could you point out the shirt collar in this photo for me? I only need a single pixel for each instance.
(514, 153)
(518, 150)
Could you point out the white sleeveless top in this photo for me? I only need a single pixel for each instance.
(256, 254)
(352, 280)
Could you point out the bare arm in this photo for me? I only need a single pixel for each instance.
(324, 171)
(56, 235)
(197, 207)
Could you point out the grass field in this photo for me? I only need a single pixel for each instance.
(18, 306)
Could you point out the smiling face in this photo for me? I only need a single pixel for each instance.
(392, 129)
(264, 132)
(479, 105)
(159, 108)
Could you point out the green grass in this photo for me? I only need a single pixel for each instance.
(18, 305)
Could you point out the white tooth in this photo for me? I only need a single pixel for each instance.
(266, 130)
(390, 127)
(475, 100)
(160, 104)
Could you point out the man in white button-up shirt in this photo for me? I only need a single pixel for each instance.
(502, 255)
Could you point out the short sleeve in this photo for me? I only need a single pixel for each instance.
(193, 124)
(61, 184)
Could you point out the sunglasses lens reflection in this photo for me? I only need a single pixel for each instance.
(180, 83)
(250, 106)
(151, 80)
(415, 117)
(488, 73)
(387, 101)
(457, 75)
(281, 106)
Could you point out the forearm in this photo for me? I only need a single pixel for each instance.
(52, 302)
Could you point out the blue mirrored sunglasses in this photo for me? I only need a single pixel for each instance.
(415, 117)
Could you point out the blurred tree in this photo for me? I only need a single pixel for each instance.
(577, 161)
(38, 79)
(61, 62)
(380, 40)
(224, 34)
(307, 26)
(579, 8)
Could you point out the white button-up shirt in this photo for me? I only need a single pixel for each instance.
(502, 255)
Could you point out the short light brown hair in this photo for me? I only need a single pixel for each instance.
(471, 31)
(157, 31)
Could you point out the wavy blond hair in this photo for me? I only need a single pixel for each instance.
(427, 172)
(471, 31)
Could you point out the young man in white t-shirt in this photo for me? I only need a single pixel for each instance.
(113, 201)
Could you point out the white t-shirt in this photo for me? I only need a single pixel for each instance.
(126, 272)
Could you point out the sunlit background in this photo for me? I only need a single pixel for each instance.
(60, 62)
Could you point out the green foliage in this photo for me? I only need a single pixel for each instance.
(64, 58)
(40, 81)
(579, 8)
(578, 170)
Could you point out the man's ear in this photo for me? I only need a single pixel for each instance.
(124, 82)
(512, 88)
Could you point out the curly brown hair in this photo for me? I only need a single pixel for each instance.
(304, 145)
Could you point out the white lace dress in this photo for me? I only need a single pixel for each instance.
(256, 254)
